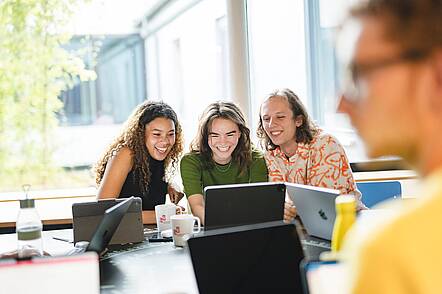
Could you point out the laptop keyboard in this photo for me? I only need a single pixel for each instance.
(313, 248)
(316, 243)
(115, 250)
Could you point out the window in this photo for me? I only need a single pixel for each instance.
(120, 83)
(291, 45)
(276, 37)
(322, 20)
(57, 152)
(186, 59)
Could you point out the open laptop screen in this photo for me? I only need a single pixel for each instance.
(108, 225)
(243, 204)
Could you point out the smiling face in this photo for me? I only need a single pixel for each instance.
(223, 138)
(160, 137)
(278, 123)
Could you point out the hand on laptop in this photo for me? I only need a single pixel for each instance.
(289, 211)
(174, 195)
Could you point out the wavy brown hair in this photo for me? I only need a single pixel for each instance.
(133, 137)
(226, 110)
(304, 133)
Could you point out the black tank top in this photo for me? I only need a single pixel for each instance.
(157, 189)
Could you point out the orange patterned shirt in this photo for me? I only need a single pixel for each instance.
(321, 163)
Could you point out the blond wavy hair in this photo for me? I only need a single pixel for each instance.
(304, 133)
(133, 137)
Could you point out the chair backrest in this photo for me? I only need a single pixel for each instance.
(375, 192)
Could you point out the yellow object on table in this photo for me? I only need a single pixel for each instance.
(345, 218)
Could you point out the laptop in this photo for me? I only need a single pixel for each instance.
(316, 208)
(259, 258)
(87, 216)
(243, 204)
(105, 229)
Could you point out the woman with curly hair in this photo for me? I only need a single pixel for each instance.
(221, 153)
(142, 158)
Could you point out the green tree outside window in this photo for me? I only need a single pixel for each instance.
(34, 69)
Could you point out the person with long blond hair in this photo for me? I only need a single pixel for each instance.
(142, 159)
(298, 151)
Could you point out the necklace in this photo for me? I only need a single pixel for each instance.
(223, 168)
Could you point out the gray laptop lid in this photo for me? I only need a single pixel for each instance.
(87, 216)
(243, 204)
(108, 226)
(316, 208)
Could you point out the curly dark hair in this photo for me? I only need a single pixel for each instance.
(226, 110)
(304, 133)
(133, 137)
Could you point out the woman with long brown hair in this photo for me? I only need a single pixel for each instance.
(221, 153)
(141, 160)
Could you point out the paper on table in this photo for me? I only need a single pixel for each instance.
(69, 274)
(327, 278)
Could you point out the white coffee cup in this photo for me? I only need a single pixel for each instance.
(182, 228)
(163, 212)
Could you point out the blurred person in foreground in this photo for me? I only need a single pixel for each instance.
(395, 102)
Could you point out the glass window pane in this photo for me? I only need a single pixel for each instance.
(187, 62)
(276, 49)
(58, 150)
(326, 72)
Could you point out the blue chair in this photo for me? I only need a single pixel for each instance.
(375, 192)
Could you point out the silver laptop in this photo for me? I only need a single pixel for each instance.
(243, 204)
(87, 216)
(316, 208)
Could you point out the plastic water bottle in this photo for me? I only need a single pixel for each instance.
(345, 218)
(28, 228)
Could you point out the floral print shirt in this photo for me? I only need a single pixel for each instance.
(320, 163)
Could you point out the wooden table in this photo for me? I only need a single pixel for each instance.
(52, 211)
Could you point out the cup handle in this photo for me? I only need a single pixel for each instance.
(199, 224)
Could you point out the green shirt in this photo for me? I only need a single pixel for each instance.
(196, 177)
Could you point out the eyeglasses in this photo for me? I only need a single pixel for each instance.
(355, 86)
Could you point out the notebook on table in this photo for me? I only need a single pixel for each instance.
(316, 208)
(87, 216)
(243, 204)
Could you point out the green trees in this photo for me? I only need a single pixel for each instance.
(34, 69)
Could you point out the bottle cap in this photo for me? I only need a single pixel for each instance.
(345, 203)
(27, 203)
